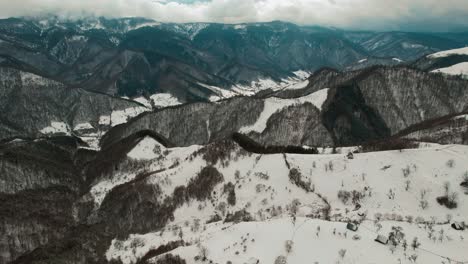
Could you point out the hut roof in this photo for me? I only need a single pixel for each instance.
(352, 226)
(382, 239)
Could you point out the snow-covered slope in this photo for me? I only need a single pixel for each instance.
(273, 105)
(391, 189)
(457, 69)
(446, 53)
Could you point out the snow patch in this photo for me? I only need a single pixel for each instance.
(298, 85)
(121, 116)
(31, 78)
(220, 92)
(56, 127)
(142, 100)
(147, 149)
(296, 82)
(240, 26)
(461, 117)
(164, 100)
(274, 104)
(83, 126)
(147, 24)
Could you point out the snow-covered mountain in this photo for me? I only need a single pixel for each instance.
(133, 141)
(137, 57)
(448, 62)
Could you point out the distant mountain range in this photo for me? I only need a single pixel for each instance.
(140, 57)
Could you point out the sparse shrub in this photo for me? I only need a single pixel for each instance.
(342, 253)
(449, 201)
(137, 242)
(222, 207)
(288, 245)
(118, 244)
(196, 225)
(406, 171)
(465, 178)
(263, 176)
(281, 260)
(260, 188)
(407, 185)
(415, 244)
(354, 195)
(396, 236)
(239, 216)
(450, 163)
(213, 219)
(295, 177)
(230, 189)
(202, 252)
(423, 204)
(237, 175)
(409, 219)
(344, 196)
(294, 207)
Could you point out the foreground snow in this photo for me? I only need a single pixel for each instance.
(393, 183)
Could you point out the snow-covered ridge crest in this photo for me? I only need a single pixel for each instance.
(457, 69)
(274, 104)
(147, 149)
(446, 53)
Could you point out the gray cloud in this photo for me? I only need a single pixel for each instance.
(422, 15)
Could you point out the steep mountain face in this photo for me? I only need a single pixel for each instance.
(364, 105)
(40, 184)
(195, 61)
(33, 106)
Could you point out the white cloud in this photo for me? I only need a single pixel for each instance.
(368, 14)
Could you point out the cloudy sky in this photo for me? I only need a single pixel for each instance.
(414, 15)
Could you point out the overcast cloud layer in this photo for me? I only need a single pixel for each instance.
(419, 15)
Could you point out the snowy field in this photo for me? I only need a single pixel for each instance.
(391, 189)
